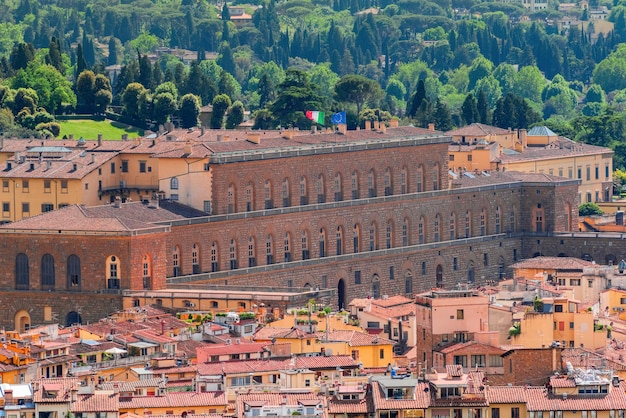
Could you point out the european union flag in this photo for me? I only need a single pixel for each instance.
(338, 118)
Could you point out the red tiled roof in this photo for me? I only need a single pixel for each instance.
(53, 390)
(175, 399)
(506, 394)
(95, 403)
(275, 399)
(224, 349)
(420, 401)
(538, 399)
(553, 263)
(478, 129)
(356, 338)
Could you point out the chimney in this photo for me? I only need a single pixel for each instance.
(93, 158)
(376, 125)
(393, 123)
(254, 137)
(431, 127)
(342, 129)
(71, 136)
(136, 142)
(187, 149)
(124, 137)
(522, 138)
(288, 134)
(202, 131)
(118, 202)
(73, 394)
(48, 165)
(383, 128)
(219, 138)
(226, 138)
(8, 396)
(368, 125)
(169, 137)
(1, 142)
(99, 138)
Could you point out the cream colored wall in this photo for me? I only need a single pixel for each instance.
(194, 183)
(561, 167)
(481, 160)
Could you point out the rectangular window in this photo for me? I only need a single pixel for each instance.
(124, 166)
(25, 207)
(451, 157)
(588, 170)
(64, 186)
(574, 282)
(112, 168)
(495, 361)
(469, 157)
(381, 353)
(24, 186)
(580, 173)
(423, 268)
(514, 412)
(460, 360)
(47, 207)
(5, 185)
(459, 314)
(46, 186)
(558, 308)
(357, 277)
(478, 360)
(597, 173)
(455, 264)
(142, 166)
(6, 208)
(495, 413)
(391, 273)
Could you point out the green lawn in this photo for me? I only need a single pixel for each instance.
(89, 129)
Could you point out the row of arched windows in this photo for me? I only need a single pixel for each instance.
(48, 279)
(268, 249)
(321, 190)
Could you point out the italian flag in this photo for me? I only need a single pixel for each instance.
(315, 116)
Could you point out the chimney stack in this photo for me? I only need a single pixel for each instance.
(431, 127)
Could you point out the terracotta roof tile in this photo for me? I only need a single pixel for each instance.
(175, 399)
(478, 130)
(420, 401)
(506, 394)
(553, 263)
(539, 399)
(95, 403)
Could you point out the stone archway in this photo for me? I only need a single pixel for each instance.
(72, 318)
(22, 321)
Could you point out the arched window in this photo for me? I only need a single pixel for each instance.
(356, 232)
(439, 276)
(405, 232)
(147, 272)
(176, 261)
(321, 191)
(337, 188)
(73, 272)
(354, 185)
(437, 226)
(497, 220)
(215, 263)
(231, 198)
(269, 203)
(420, 231)
(470, 272)
(436, 185)
(371, 184)
(322, 239)
(306, 252)
(389, 234)
(483, 222)
(420, 179)
(113, 267)
(269, 249)
(287, 247)
(174, 183)
(373, 237)
(249, 197)
(232, 254)
(22, 272)
(339, 240)
(452, 226)
(286, 193)
(404, 187)
(195, 258)
(375, 287)
(251, 253)
(408, 283)
(468, 224)
(304, 200)
(388, 182)
(47, 272)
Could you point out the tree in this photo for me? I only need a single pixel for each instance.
(296, 95)
(358, 90)
(54, 57)
(85, 85)
(21, 55)
(112, 60)
(416, 100)
(595, 94)
(130, 99)
(221, 103)
(164, 106)
(225, 12)
(484, 110)
(189, 110)
(235, 115)
(469, 109)
(589, 209)
(442, 117)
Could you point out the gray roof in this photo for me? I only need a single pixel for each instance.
(540, 131)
